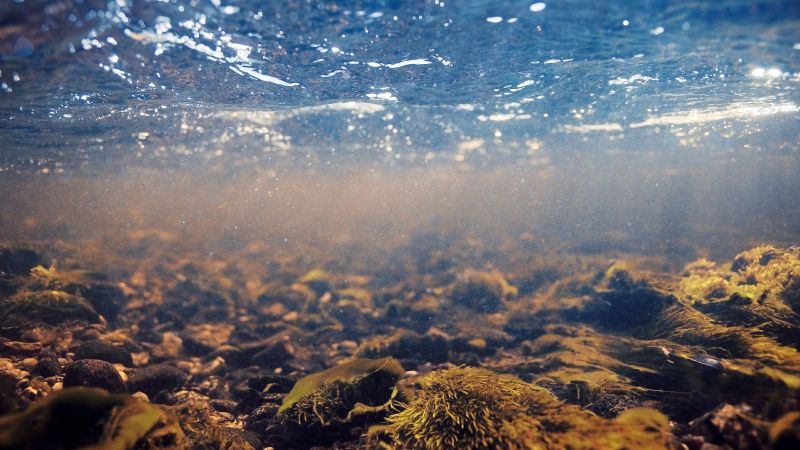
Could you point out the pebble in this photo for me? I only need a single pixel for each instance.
(28, 363)
(9, 369)
(141, 396)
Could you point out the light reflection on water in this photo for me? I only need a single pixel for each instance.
(83, 79)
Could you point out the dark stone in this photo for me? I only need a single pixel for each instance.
(279, 383)
(133, 347)
(107, 298)
(275, 355)
(221, 405)
(104, 351)
(150, 336)
(88, 334)
(156, 378)
(464, 358)
(164, 398)
(18, 261)
(261, 417)
(411, 347)
(47, 367)
(195, 347)
(94, 373)
(188, 300)
(233, 356)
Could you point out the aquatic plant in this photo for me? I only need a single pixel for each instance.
(473, 408)
(318, 280)
(760, 289)
(467, 408)
(320, 406)
(206, 428)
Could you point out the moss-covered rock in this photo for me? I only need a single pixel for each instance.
(49, 306)
(481, 291)
(760, 288)
(471, 408)
(323, 406)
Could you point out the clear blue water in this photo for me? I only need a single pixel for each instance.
(122, 82)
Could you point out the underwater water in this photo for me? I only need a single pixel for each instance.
(399, 224)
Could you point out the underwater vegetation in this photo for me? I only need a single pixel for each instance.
(473, 408)
(355, 392)
(553, 351)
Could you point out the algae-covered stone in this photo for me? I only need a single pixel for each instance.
(761, 288)
(322, 406)
(89, 419)
(106, 297)
(50, 307)
(472, 408)
(481, 291)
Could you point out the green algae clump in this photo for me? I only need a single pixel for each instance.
(89, 419)
(760, 289)
(473, 408)
(321, 406)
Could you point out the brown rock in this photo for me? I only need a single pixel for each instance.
(156, 378)
(94, 373)
(105, 351)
